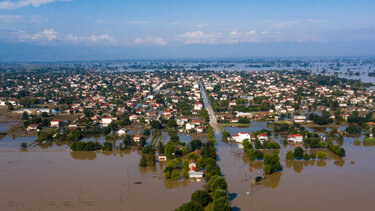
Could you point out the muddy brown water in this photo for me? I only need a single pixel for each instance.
(86, 181)
(332, 184)
(51, 178)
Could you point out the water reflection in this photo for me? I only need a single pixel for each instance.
(321, 163)
(340, 162)
(272, 180)
(169, 183)
(83, 155)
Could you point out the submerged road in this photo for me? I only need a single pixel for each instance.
(231, 163)
(211, 113)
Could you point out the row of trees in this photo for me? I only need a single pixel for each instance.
(299, 154)
(336, 149)
(213, 197)
(271, 161)
(91, 146)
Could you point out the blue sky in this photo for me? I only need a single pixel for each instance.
(123, 29)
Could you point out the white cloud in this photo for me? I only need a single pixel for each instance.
(11, 5)
(10, 18)
(251, 32)
(151, 40)
(103, 37)
(200, 25)
(234, 33)
(198, 37)
(50, 35)
(46, 34)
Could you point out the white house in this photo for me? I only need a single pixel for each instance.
(262, 138)
(189, 126)
(299, 119)
(200, 129)
(232, 103)
(137, 138)
(198, 106)
(107, 120)
(193, 173)
(240, 137)
(55, 123)
(121, 132)
(133, 117)
(244, 114)
(296, 138)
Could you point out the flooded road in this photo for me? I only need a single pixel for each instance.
(332, 184)
(50, 177)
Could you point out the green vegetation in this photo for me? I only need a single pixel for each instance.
(244, 120)
(156, 124)
(368, 141)
(314, 142)
(352, 130)
(336, 149)
(272, 163)
(204, 114)
(358, 142)
(289, 155)
(321, 120)
(127, 143)
(306, 156)
(321, 155)
(298, 153)
(23, 145)
(83, 146)
(172, 123)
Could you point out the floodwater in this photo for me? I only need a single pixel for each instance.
(5, 124)
(50, 177)
(332, 184)
(59, 180)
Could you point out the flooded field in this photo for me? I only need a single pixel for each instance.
(50, 177)
(332, 184)
(86, 181)
(5, 124)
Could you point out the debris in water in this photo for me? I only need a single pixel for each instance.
(138, 183)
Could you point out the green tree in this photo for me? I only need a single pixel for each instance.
(306, 156)
(298, 153)
(195, 144)
(321, 155)
(272, 163)
(25, 116)
(312, 155)
(250, 154)
(289, 155)
(172, 123)
(161, 147)
(146, 132)
(221, 204)
(258, 155)
(246, 144)
(219, 183)
(156, 124)
(190, 206)
(143, 161)
(201, 197)
(108, 146)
